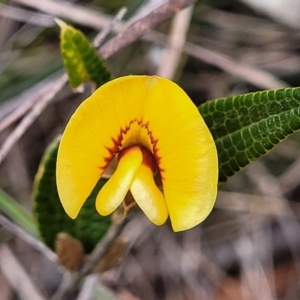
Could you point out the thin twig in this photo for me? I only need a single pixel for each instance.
(69, 11)
(139, 28)
(17, 276)
(17, 114)
(92, 286)
(92, 260)
(273, 206)
(98, 40)
(256, 76)
(289, 180)
(248, 73)
(176, 41)
(32, 115)
(268, 185)
(88, 288)
(253, 275)
(27, 238)
(26, 16)
(18, 106)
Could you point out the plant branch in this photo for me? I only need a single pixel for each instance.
(103, 34)
(139, 28)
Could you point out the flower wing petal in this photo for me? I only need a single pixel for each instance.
(185, 151)
(148, 197)
(91, 138)
(114, 191)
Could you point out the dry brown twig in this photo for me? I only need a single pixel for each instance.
(141, 27)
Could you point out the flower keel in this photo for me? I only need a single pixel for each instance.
(114, 191)
(147, 195)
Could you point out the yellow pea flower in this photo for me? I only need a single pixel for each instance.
(154, 128)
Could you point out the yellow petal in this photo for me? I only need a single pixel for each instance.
(114, 191)
(92, 137)
(182, 145)
(148, 197)
(185, 151)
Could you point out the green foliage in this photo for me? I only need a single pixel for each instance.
(247, 126)
(89, 227)
(80, 58)
(17, 213)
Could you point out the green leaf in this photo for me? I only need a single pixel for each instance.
(17, 213)
(80, 58)
(89, 227)
(245, 127)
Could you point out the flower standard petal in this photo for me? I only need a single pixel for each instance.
(185, 151)
(148, 197)
(114, 191)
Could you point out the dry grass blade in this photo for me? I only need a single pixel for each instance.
(70, 11)
(248, 73)
(92, 288)
(32, 115)
(23, 15)
(109, 28)
(88, 288)
(27, 238)
(254, 280)
(17, 276)
(175, 44)
(253, 75)
(289, 180)
(257, 204)
(139, 28)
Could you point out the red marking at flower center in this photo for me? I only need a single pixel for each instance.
(150, 156)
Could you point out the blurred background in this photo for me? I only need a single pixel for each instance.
(249, 247)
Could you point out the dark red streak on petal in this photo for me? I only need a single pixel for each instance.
(117, 144)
